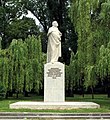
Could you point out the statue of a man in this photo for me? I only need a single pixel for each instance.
(54, 43)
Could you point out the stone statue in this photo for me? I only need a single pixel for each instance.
(54, 43)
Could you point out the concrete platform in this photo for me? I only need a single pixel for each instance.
(53, 105)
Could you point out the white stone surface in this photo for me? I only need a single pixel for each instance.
(54, 43)
(54, 79)
(53, 105)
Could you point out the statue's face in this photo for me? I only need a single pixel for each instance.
(55, 24)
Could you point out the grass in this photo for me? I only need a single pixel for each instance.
(102, 100)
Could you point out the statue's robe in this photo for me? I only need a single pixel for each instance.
(54, 44)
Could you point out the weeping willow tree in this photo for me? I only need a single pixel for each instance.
(35, 59)
(90, 78)
(91, 21)
(28, 62)
(101, 26)
(71, 75)
(103, 67)
(81, 17)
(0, 43)
(4, 70)
(17, 62)
(21, 66)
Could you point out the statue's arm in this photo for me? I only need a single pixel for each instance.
(49, 31)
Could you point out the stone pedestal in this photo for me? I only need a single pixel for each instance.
(54, 79)
(53, 105)
(54, 92)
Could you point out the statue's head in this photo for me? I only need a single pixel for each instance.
(55, 24)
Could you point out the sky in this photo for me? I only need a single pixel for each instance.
(30, 15)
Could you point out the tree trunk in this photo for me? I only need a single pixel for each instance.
(24, 89)
(26, 94)
(92, 90)
(82, 92)
(6, 95)
(108, 91)
(17, 94)
(70, 93)
(10, 93)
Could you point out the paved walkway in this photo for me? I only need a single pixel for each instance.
(53, 116)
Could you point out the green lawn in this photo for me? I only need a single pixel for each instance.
(102, 100)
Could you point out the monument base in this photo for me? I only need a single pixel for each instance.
(53, 105)
(54, 82)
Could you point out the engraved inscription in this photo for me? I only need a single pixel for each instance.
(54, 72)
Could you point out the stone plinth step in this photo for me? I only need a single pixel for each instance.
(53, 116)
(53, 105)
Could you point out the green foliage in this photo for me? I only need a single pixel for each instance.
(21, 65)
(0, 43)
(103, 66)
(4, 69)
(12, 25)
(72, 76)
(91, 20)
(21, 28)
(2, 91)
(35, 72)
(90, 77)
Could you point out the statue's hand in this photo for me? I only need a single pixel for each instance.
(60, 34)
